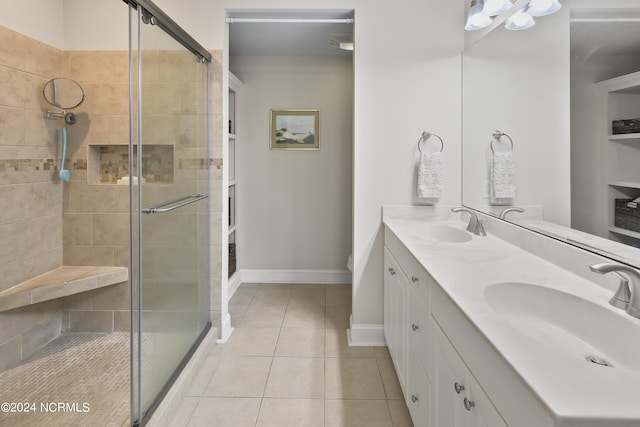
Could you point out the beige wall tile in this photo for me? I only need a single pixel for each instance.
(27, 268)
(10, 353)
(29, 238)
(77, 229)
(83, 198)
(114, 297)
(81, 301)
(12, 126)
(108, 98)
(41, 334)
(13, 48)
(42, 59)
(91, 321)
(122, 321)
(15, 322)
(88, 255)
(42, 132)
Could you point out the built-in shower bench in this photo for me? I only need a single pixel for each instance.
(61, 282)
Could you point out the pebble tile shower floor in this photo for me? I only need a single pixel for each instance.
(73, 368)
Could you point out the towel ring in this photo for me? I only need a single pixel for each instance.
(426, 135)
(496, 137)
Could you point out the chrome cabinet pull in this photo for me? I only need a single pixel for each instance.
(392, 271)
(414, 327)
(468, 404)
(414, 279)
(458, 387)
(174, 204)
(414, 398)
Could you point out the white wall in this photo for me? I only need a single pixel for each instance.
(96, 25)
(38, 19)
(407, 79)
(294, 207)
(518, 82)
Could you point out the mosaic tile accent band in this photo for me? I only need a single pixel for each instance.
(31, 165)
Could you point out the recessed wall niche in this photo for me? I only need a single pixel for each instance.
(108, 163)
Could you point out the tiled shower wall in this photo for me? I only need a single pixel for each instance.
(45, 223)
(30, 193)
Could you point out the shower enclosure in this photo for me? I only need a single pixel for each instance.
(168, 158)
(105, 284)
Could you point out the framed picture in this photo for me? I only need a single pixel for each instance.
(295, 129)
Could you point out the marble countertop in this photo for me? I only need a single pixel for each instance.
(557, 372)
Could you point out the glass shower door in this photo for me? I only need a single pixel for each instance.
(170, 186)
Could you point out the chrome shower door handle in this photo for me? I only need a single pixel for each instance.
(174, 204)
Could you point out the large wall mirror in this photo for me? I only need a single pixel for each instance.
(554, 91)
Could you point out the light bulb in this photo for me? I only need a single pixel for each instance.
(543, 7)
(521, 20)
(476, 19)
(496, 7)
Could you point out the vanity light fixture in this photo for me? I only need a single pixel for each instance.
(476, 19)
(543, 7)
(521, 20)
(496, 7)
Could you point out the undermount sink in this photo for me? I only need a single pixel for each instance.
(442, 233)
(568, 325)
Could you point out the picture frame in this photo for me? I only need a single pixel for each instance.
(295, 129)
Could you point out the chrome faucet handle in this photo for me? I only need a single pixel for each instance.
(629, 289)
(475, 225)
(504, 212)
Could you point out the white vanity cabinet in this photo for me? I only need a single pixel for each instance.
(395, 300)
(458, 399)
(427, 364)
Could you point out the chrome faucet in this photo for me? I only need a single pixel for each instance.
(475, 225)
(504, 212)
(627, 297)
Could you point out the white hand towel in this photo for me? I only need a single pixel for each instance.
(430, 175)
(502, 179)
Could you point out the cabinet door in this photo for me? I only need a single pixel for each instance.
(459, 401)
(395, 313)
(418, 395)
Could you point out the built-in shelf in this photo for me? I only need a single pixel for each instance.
(61, 282)
(625, 232)
(232, 183)
(625, 137)
(625, 184)
(232, 229)
(232, 136)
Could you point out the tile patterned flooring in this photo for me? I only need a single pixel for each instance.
(74, 368)
(288, 364)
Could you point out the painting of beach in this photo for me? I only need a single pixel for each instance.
(295, 129)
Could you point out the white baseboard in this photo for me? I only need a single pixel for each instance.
(225, 330)
(294, 276)
(234, 283)
(365, 334)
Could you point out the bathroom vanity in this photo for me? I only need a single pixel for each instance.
(485, 333)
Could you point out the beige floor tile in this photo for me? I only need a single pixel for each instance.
(263, 316)
(225, 412)
(339, 296)
(237, 311)
(252, 342)
(291, 413)
(390, 381)
(267, 296)
(301, 377)
(400, 413)
(202, 378)
(352, 378)
(337, 317)
(304, 316)
(244, 294)
(185, 412)
(357, 413)
(336, 345)
(308, 294)
(239, 376)
(382, 352)
(275, 286)
(301, 342)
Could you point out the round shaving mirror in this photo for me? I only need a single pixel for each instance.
(63, 93)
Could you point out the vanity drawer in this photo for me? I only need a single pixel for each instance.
(419, 330)
(419, 280)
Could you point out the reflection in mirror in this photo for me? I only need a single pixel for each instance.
(63, 93)
(544, 88)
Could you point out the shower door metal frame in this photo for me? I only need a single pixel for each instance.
(148, 12)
